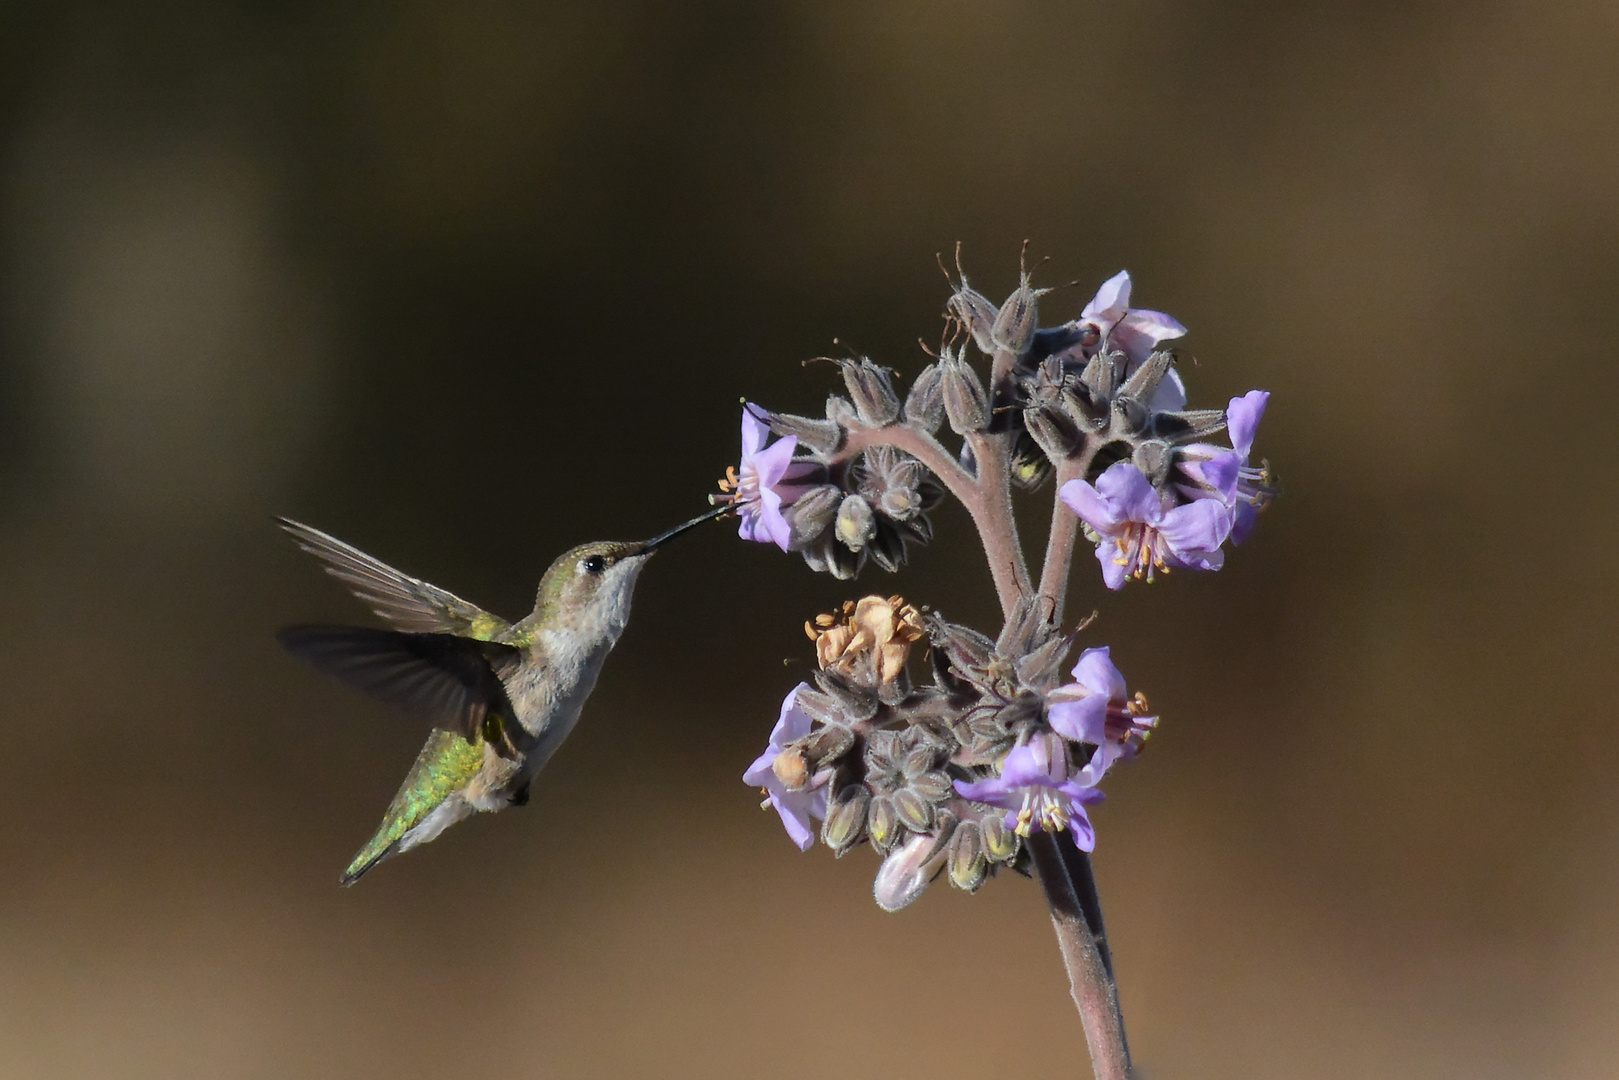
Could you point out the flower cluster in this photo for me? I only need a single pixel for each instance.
(836, 508)
(950, 775)
(1096, 398)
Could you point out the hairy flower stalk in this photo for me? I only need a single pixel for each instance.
(989, 760)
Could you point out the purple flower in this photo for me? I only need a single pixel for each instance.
(795, 807)
(1241, 487)
(1137, 535)
(1135, 332)
(1096, 708)
(764, 482)
(1039, 791)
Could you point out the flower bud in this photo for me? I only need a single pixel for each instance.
(1101, 375)
(1153, 458)
(882, 823)
(973, 310)
(1053, 431)
(871, 391)
(914, 813)
(1000, 843)
(826, 745)
(1188, 425)
(907, 871)
(965, 402)
(846, 819)
(855, 522)
(924, 405)
(887, 547)
(1144, 383)
(811, 515)
(825, 555)
(1015, 323)
(817, 436)
(1130, 416)
(840, 411)
(968, 864)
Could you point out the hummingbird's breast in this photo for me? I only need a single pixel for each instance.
(548, 691)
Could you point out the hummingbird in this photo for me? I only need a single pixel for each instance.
(501, 696)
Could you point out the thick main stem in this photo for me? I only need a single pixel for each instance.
(1084, 955)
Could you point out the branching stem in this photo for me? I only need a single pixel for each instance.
(1065, 871)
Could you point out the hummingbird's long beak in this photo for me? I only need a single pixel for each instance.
(663, 538)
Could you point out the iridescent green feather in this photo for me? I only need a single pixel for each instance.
(445, 765)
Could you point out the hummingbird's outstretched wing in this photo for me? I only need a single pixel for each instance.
(454, 681)
(409, 603)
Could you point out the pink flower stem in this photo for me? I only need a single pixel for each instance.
(987, 496)
(1064, 528)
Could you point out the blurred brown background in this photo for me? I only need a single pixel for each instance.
(467, 283)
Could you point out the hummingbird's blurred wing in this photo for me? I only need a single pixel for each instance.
(409, 603)
(453, 681)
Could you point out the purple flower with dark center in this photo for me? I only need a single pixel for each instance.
(1244, 489)
(1040, 792)
(795, 807)
(1137, 535)
(1096, 708)
(764, 482)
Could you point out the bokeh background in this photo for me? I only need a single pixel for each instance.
(467, 283)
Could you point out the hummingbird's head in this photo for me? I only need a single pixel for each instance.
(589, 587)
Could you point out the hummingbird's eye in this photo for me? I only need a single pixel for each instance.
(593, 564)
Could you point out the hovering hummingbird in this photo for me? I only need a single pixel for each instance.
(501, 696)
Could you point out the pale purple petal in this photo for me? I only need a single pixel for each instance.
(1221, 471)
(1114, 573)
(1170, 395)
(771, 522)
(1140, 331)
(771, 464)
(760, 772)
(795, 818)
(1096, 672)
(793, 723)
(1198, 526)
(1084, 832)
(1084, 720)
(1199, 560)
(1027, 766)
(754, 432)
(1129, 494)
(1110, 301)
(1101, 761)
(1088, 503)
(992, 791)
(750, 525)
(1242, 419)
(1243, 517)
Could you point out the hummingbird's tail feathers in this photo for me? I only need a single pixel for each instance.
(453, 681)
(364, 861)
(427, 802)
(409, 603)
